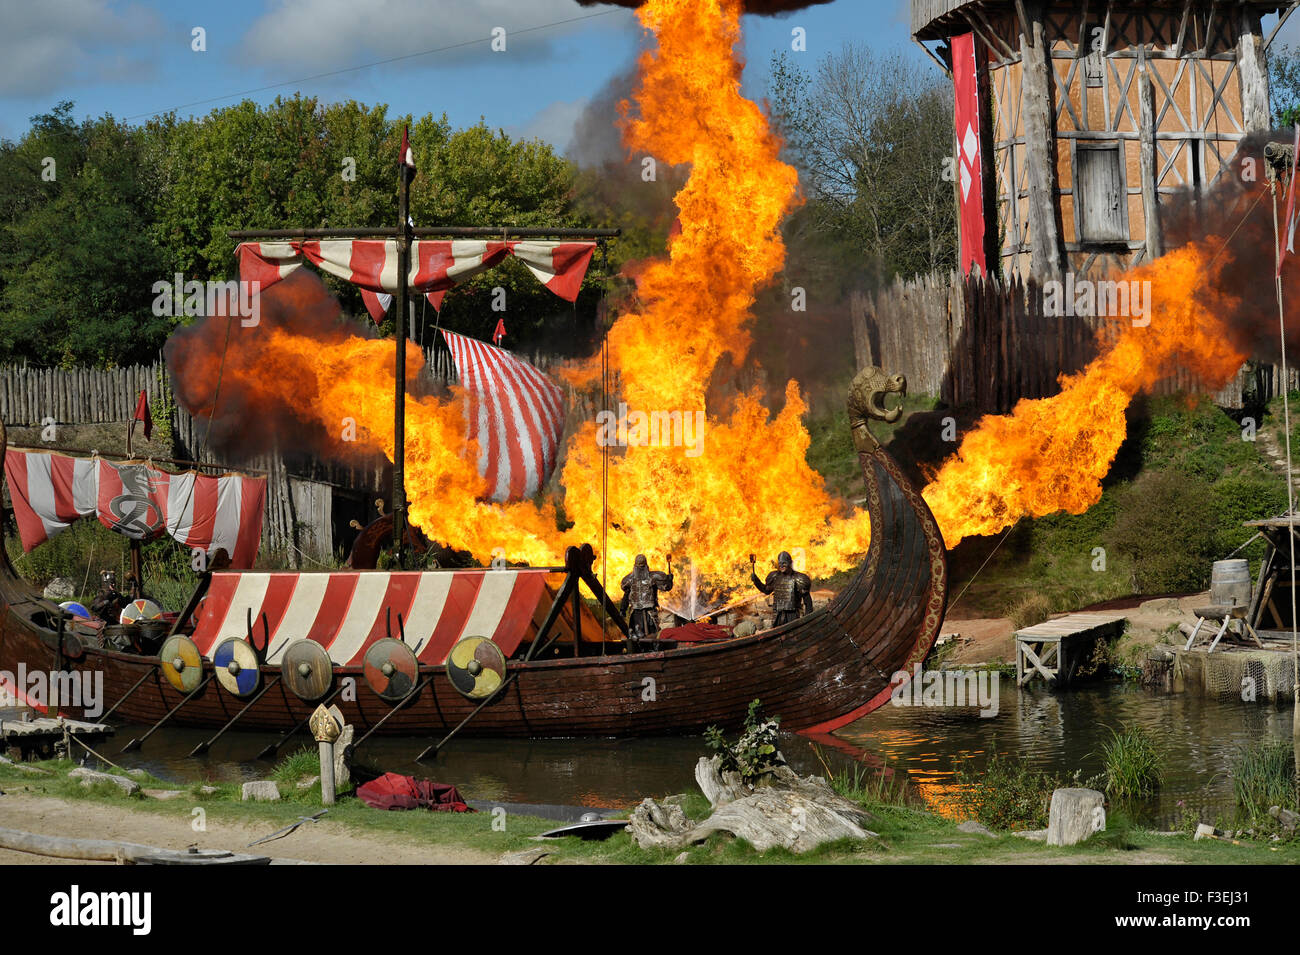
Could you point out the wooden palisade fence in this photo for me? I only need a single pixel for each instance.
(984, 344)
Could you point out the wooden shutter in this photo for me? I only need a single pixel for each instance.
(1100, 182)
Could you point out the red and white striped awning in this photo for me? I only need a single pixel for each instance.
(436, 265)
(50, 491)
(347, 611)
(514, 411)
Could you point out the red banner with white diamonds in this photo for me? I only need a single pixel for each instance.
(965, 79)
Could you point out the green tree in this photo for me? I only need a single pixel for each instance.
(76, 262)
(871, 135)
(1284, 84)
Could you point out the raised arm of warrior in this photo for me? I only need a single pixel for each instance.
(663, 581)
(763, 587)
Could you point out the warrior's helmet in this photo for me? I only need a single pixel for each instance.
(640, 566)
(783, 561)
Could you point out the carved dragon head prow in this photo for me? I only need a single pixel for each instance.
(866, 401)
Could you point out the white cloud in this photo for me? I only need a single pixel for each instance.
(553, 124)
(336, 34)
(52, 45)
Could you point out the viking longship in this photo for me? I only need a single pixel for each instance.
(421, 652)
(440, 651)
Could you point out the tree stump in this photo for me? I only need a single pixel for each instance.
(1075, 814)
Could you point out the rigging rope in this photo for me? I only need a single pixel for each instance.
(1286, 427)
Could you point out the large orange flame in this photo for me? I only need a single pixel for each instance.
(745, 485)
(1050, 454)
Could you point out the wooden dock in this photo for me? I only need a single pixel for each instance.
(1057, 648)
(44, 737)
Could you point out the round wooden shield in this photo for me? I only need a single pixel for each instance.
(142, 609)
(307, 670)
(182, 664)
(476, 667)
(390, 668)
(235, 664)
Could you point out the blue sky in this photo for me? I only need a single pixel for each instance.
(134, 59)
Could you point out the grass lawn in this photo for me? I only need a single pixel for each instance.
(907, 835)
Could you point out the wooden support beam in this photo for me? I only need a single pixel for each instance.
(1209, 28)
(1147, 162)
(1253, 66)
(1182, 29)
(1040, 146)
(930, 53)
(1281, 22)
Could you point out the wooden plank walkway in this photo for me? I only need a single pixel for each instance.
(23, 739)
(1056, 648)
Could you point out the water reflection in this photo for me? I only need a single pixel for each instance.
(1058, 732)
(1064, 732)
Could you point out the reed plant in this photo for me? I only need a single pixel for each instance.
(861, 784)
(1263, 775)
(1133, 765)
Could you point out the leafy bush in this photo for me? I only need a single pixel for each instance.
(1029, 610)
(1166, 526)
(1006, 794)
(1132, 763)
(755, 752)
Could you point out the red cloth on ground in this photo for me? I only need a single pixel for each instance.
(395, 791)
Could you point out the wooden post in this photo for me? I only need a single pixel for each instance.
(326, 730)
(399, 334)
(1254, 74)
(1147, 159)
(1040, 144)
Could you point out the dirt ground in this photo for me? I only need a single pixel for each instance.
(311, 842)
(991, 640)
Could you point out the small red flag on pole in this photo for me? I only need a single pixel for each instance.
(1287, 243)
(408, 157)
(142, 414)
(500, 332)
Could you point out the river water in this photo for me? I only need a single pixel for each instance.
(1059, 732)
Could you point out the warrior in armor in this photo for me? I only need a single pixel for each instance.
(108, 603)
(791, 590)
(641, 596)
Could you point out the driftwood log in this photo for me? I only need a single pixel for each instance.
(781, 809)
(123, 853)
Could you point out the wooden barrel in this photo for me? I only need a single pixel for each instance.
(1230, 583)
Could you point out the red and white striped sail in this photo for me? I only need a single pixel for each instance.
(514, 411)
(50, 491)
(347, 611)
(435, 267)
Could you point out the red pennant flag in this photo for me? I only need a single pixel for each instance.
(1287, 242)
(142, 414)
(500, 332)
(408, 157)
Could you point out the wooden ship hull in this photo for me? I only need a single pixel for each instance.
(818, 672)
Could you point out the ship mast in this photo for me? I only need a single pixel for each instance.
(404, 234)
(399, 365)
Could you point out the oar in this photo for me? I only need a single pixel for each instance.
(396, 706)
(270, 750)
(205, 746)
(138, 683)
(570, 586)
(137, 743)
(288, 829)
